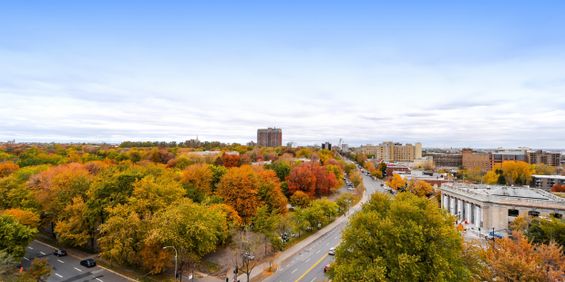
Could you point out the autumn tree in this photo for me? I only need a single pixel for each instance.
(542, 230)
(518, 260)
(195, 231)
(14, 236)
(6, 168)
(25, 217)
(355, 177)
(300, 199)
(73, 227)
(312, 179)
(396, 182)
(39, 269)
(405, 238)
(420, 188)
(270, 193)
(491, 177)
(544, 169)
(517, 172)
(558, 188)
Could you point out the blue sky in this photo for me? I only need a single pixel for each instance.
(445, 73)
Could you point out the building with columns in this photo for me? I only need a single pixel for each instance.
(484, 207)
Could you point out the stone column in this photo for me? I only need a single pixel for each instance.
(478, 216)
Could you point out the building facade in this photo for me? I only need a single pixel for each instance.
(454, 160)
(394, 152)
(269, 137)
(327, 146)
(498, 157)
(543, 157)
(471, 160)
(486, 207)
(546, 182)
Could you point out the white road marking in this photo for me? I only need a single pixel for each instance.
(318, 251)
(313, 279)
(335, 238)
(30, 248)
(58, 275)
(60, 261)
(42, 253)
(99, 279)
(77, 269)
(294, 270)
(26, 258)
(307, 259)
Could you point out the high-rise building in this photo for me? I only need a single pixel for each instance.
(327, 146)
(542, 157)
(498, 157)
(269, 137)
(394, 152)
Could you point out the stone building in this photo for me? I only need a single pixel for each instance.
(485, 207)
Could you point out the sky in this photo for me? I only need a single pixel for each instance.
(482, 74)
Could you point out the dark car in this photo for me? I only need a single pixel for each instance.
(60, 253)
(88, 262)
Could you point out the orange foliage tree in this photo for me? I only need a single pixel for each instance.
(396, 182)
(24, 217)
(246, 189)
(312, 179)
(6, 168)
(519, 260)
(197, 180)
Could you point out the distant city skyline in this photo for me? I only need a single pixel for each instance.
(447, 74)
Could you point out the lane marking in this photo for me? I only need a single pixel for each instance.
(313, 279)
(318, 251)
(77, 269)
(58, 275)
(26, 258)
(30, 248)
(99, 279)
(42, 253)
(308, 259)
(311, 267)
(294, 270)
(60, 261)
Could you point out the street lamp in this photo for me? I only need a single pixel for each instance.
(176, 255)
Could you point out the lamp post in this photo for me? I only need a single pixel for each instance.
(176, 255)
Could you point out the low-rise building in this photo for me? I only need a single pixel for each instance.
(485, 207)
(446, 160)
(547, 181)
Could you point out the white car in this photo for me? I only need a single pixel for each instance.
(331, 252)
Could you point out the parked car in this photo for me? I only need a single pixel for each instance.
(326, 267)
(494, 235)
(89, 262)
(60, 253)
(331, 252)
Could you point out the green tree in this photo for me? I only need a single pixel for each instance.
(14, 236)
(195, 230)
(542, 230)
(406, 238)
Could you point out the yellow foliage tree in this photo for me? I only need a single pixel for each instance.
(517, 172)
(396, 182)
(490, 177)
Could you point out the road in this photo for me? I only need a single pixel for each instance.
(308, 265)
(68, 268)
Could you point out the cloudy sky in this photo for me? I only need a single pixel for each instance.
(446, 73)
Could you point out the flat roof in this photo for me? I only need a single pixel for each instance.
(554, 176)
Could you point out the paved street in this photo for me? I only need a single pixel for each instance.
(308, 264)
(68, 268)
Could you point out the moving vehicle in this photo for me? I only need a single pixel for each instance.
(331, 252)
(60, 253)
(89, 262)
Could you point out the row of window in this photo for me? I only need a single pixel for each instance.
(514, 212)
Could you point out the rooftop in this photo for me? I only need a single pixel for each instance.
(506, 194)
(554, 176)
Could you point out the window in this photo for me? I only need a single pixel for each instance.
(533, 213)
(513, 212)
